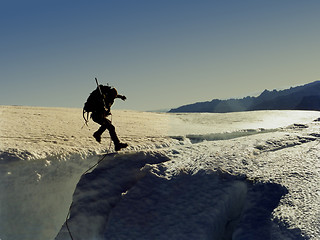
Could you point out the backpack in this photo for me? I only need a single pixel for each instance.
(95, 101)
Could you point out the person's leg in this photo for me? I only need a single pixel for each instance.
(112, 130)
(106, 124)
(99, 118)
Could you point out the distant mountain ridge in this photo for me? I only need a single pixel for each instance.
(305, 97)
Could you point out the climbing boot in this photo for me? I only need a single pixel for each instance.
(119, 146)
(97, 136)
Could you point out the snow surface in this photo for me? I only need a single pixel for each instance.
(248, 175)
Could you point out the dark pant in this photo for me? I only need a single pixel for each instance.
(101, 118)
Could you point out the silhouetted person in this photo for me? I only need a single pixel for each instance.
(100, 106)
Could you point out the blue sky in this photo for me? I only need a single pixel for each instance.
(160, 54)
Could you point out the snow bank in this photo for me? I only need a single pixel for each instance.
(121, 198)
(226, 135)
(136, 195)
(200, 206)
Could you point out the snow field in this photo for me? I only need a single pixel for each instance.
(184, 176)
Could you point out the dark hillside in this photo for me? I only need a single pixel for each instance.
(306, 97)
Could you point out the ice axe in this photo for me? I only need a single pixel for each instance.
(100, 92)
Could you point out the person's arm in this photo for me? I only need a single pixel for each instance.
(122, 97)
